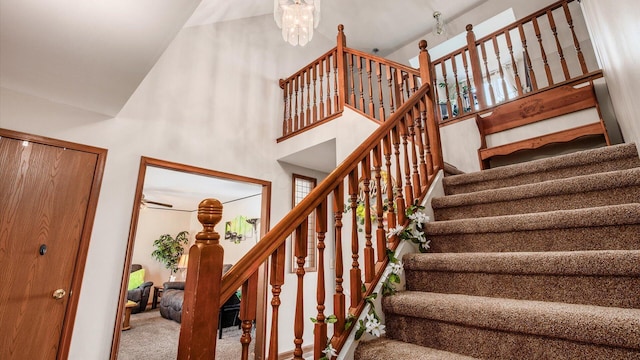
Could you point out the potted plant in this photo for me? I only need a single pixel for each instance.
(169, 249)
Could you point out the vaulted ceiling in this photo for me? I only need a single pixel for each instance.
(94, 54)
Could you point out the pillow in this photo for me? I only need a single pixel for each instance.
(136, 279)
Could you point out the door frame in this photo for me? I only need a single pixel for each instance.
(87, 227)
(265, 212)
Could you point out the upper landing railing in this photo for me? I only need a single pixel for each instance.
(341, 77)
(536, 53)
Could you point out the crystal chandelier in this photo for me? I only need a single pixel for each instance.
(297, 19)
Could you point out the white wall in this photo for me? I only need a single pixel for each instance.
(212, 100)
(614, 28)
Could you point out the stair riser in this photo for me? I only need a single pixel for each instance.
(552, 174)
(618, 291)
(621, 195)
(622, 237)
(494, 344)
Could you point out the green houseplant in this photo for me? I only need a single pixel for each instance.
(168, 249)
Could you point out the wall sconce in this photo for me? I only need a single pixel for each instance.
(439, 29)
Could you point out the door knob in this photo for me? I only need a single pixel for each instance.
(59, 294)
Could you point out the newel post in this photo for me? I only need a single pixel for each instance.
(433, 129)
(342, 67)
(202, 290)
(476, 69)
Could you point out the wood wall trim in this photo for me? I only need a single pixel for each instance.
(264, 228)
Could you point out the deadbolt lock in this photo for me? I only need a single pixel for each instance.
(59, 294)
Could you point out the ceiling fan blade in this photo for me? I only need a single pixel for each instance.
(157, 203)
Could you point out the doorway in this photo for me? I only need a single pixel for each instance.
(49, 193)
(166, 200)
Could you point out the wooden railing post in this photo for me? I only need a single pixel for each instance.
(202, 290)
(342, 67)
(431, 126)
(476, 70)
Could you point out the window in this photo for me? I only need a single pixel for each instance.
(302, 186)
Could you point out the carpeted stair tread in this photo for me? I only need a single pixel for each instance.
(612, 215)
(608, 326)
(604, 159)
(593, 263)
(385, 348)
(600, 189)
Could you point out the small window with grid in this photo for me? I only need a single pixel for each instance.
(302, 186)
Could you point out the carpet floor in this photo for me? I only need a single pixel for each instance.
(156, 338)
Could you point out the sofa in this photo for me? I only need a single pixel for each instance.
(173, 297)
(140, 294)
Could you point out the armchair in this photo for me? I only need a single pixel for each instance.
(140, 295)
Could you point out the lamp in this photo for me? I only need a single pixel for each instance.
(439, 30)
(182, 265)
(297, 19)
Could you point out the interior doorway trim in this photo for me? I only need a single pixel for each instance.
(265, 211)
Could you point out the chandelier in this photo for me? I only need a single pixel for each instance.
(297, 19)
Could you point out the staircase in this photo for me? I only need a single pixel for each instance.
(539, 260)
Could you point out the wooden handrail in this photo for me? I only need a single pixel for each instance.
(250, 263)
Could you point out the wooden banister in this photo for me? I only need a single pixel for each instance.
(490, 81)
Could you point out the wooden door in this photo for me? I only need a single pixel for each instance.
(47, 200)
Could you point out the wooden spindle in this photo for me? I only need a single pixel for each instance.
(390, 83)
(399, 87)
(465, 64)
(296, 124)
(427, 148)
(303, 119)
(488, 74)
(446, 90)
(554, 30)
(339, 306)
(547, 69)
(352, 89)
(496, 49)
(308, 114)
(327, 103)
(321, 75)
(419, 143)
(399, 199)
(320, 327)
(476, 70)
(300, 253)
(576, 43)
(290, 101)
(391, 218)
(415, 176)
(248, 307)
(381, 240)
(199, 327)
(315, 95)
(514, 65)
(529, 66)
(404, 133)
(276, 282)
(381, 112)
(361, 100)
(369, 263)
(372, 111)
(455, 77)
(355, 273)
